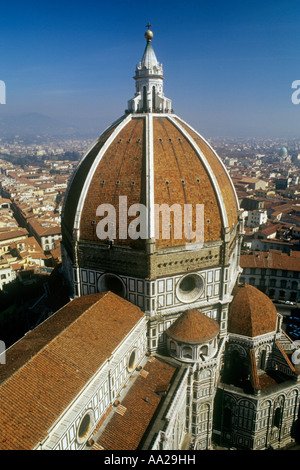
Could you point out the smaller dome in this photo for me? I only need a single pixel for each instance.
(251, 312)
(283, 151)
(193, 327)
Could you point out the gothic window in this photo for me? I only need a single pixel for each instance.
(246, 413)
(153, 98)
(262, 360)
(144, 99)
(277, 417)
(227, 418)
(203, 417)
(263, 414)
(237, 367)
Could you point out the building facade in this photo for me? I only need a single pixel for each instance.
(275, 273)
(256, 218)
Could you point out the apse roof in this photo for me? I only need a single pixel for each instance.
(66, 352)
(251, 312)
(193, 327)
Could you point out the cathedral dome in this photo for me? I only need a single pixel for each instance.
(149, 158)
(150, 198)
(251, 312)
(283, 151)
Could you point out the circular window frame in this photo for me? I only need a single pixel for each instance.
(131, 367)
(104, 276)
(194, 294)
(83, 437)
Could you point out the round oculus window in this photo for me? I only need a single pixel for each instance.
(131, 362)
(189, 288)
(84, 428)
(113, 283)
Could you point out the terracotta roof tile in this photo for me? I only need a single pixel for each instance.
(180, 177)
(64, 359)
(141, 403)
(251, 312)
(272, 260)
(193, 327)
(122, 162)
(221, 176)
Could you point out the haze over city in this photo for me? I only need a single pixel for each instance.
(228, 66)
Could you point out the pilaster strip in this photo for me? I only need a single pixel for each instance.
(150, 176)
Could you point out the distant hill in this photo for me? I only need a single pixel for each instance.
(32, 124)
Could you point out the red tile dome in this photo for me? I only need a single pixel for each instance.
(193, 327)
(152, 159)
(251, 312)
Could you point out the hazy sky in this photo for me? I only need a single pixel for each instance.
(228, 65)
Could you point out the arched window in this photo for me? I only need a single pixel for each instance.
(153, 98)
(172, 347)
(204, 417)
(263, 358)
(144, 99)
(277, 417)
(131, 362)
(113, 283)
(187, 352)
(227, 418)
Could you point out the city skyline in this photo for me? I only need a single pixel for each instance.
(229, 67)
